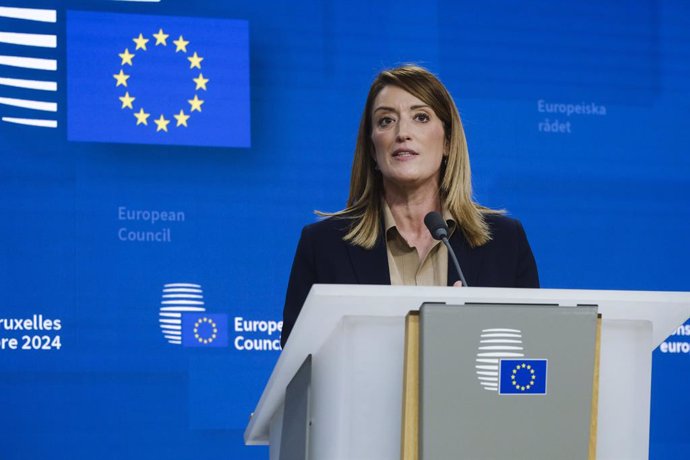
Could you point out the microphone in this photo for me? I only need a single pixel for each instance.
(439, 231)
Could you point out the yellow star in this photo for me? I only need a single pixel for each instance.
(127, 101)
(142, 117)
(181, 44)
(195, 103)
(201, 81)
(195, 61)
(181, 118)
(121, 78)
(161, 37)
(126, 57)
(162, 124)
(141, 42)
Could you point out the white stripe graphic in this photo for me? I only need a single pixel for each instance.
(30, 14)
(182, 302)
(39, 40)
(182, 296)
(171, 315)
(488, 368)
(499, 335)
(489, 373)
(500, 347)
(170, 321)
(27, 104)
(30, 84)
(171, 327)
(495, 343)
(29, 63)
(31, 122)
(187, 309)
(173, 285)
(501, 355)
(493, 361)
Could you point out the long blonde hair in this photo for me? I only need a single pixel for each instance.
(366, 183)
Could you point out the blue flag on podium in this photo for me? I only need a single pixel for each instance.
(523, 376)
(157, 80)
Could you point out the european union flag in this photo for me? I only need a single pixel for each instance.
(157, 79)
(204, 330)
(523, 376)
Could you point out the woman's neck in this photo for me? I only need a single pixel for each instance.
(409, 206)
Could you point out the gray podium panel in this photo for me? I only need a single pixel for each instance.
(294, 439)
(506, 381)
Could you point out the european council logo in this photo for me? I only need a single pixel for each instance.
(184, 321)
(157, 80)
(501, 365)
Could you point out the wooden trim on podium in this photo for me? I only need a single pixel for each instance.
(595, 394)
(409, 439)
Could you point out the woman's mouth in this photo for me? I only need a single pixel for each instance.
(404, 153)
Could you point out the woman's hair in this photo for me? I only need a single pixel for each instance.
(366, 182)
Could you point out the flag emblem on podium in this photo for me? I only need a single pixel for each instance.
(523, 376)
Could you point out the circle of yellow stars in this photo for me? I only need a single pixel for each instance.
(127, 100)
(212, 324)
(532, 376)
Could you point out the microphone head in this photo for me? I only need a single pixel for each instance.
(436, 225)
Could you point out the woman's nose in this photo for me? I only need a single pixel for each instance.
(403, 133)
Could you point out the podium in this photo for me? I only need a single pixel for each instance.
(353, 337)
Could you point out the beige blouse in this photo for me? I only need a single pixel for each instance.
(404, 263)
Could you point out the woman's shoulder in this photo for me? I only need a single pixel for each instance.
(328, 228)
(503, 227)
(500, 220)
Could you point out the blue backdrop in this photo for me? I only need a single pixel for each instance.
(122, 219)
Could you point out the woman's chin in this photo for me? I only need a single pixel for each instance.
(411, 181)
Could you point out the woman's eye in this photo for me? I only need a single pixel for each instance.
(384, 121)
(423, 117)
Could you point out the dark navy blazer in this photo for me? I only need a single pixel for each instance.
(323, 257)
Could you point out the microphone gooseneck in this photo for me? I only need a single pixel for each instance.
(439, 231)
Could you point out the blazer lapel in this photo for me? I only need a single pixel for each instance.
(370, 265)
(468, 258)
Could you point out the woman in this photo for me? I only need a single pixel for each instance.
(411, 158)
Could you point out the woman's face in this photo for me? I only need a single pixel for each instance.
(408, 138)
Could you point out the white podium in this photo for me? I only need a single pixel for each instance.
(355, 334)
